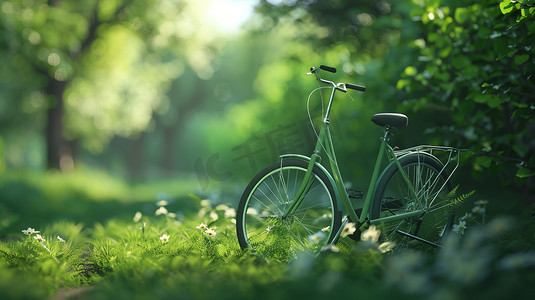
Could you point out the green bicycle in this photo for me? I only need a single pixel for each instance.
(296, 205)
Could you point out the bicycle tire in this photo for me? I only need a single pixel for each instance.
(260, 224)
(427, 176)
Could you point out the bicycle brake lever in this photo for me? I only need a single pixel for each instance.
(342, 87)
(313, 70)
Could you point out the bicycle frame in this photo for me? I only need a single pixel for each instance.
(324, 145)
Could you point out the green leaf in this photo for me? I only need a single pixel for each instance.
(460, 62)
(445, 52)
(491, 100)
(484, 161)
(402, 83)
(461, 14)
(506, 6)
(525, 172)
(433, 36)
(500, 47)
(521, 150)
(430, 71)
(512, 52)
(410, 71)
(520, 59)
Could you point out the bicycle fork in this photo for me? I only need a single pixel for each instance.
(303, 188)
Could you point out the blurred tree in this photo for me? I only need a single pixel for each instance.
(366, 27)
(475, 68)
(97, 68)
(367, 41)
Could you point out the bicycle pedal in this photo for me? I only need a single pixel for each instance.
(355, 194)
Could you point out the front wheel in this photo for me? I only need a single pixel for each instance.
(393, 195)
(264, 223)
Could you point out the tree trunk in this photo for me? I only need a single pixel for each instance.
(134, 157)
(168, 161)
(174, 131)
(59, 150)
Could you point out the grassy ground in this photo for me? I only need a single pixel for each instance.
(101, 238)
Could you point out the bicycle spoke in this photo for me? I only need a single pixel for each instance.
(429, 181)
(267, 225)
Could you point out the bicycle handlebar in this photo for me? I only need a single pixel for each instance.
(360, 88)
(329, 69)
(356, 87)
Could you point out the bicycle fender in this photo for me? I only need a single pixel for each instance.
(322, 168)
(392, 164)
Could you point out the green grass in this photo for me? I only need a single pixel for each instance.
(29, 198)
(109, 255)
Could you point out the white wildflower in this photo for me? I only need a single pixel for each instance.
(459, 228)
(213, 215)
(137, 217)
(371, 234)
(316, 237)
(252, 211)
(478, 210)
(60, 239)
(211, 232)
(162, 203)
(222, 207)
(326, 229)
(348, 229)
(330, 247)
(481, 202)
(206, 203)
(171, 215)
(164, 238)
(233, 221)
(30, 231)
(161, 211)
(230, 213)
(39, 238)
(270, 227)
(202, 226)
(325, 217)
(386, 247)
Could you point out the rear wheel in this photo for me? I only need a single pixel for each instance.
(428, 178)
(263, 224)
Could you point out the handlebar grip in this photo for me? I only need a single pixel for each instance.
(356, 87)
(329, 69)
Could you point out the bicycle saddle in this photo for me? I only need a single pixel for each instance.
(391, 119)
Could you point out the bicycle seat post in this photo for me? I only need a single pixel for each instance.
(387, 133)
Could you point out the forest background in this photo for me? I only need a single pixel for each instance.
(124, 124)
(155, 92)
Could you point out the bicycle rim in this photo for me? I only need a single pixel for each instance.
(263, 224)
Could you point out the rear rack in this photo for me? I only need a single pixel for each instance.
(446, 155)
(428, 149)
